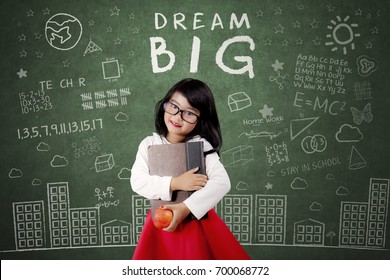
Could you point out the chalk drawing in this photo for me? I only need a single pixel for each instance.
(315, 207)
(298, 126)
(309, 232)
(22, 73)
(362, 90)
(15, 173)
(356, 160)
(59, 161)
(348, 133)
(239, 155)
(91, 48)
(266, 111)
(104, 162)
(366, 65)
(315, 143)
(299, 184)
(239, 101)
(242, 186)
(63, 31)
(363, 115)
(341, 27)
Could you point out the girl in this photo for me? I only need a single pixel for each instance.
(186, 113)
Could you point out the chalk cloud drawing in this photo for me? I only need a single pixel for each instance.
(121, 117)
(242, 186)
(299, 184)
(363, 115)
(341, 27)
(315, 207)
(36, 182)
(329, 176)
(15, 173)
(63, 31)
(366, 65)
(356, 160)
(59, 161)
(239, 101)
(342, 191)
(348, 133)
(124, 174)
(43, 147)
(298, 126)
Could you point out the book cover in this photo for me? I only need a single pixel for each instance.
(174, 160)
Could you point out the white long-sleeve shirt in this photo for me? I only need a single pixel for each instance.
(158, 187)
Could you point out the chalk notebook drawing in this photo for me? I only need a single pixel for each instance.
(301, 90)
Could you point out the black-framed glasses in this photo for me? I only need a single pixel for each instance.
(186, 116)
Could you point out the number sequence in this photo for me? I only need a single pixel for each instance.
(59, 129)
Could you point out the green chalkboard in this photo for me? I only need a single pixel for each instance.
(302, 93)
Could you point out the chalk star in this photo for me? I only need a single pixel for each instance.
(278, 11)
(314, 24)
(267, 42)
(117, 41)
(66, 63)
(22, 73)
(109, 29)
(269, 186)
(23, 53)
(115, 11)
(22, 37)
(39, 54)
(375, 30)
(259, 13)
(285, 43)
(266, 111)
(38, 35)
(331, 8)
(317, 41)
(299, 41)
(277, 65)
(131, 16)
(279, 28)
(358, 12)
(300, 7)
(46, 11)
(369, 45)
(30, 13)
(297, 24)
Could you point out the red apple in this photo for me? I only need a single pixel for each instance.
(162, 218)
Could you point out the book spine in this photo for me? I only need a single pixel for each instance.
(195, 156)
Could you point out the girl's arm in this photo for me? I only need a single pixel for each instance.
(217, 186)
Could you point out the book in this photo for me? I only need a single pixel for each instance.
(173, 160)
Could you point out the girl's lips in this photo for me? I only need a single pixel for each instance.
(175, 124)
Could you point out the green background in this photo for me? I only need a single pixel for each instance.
(266, 120)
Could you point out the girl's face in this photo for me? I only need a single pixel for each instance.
(177, 128)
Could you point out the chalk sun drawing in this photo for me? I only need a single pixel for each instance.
(342, 34)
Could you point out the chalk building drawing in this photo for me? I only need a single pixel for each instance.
(58, 200)
(140, 208)
(362, 223)
(85, 226)
(270, 222)
(254, 219)
(309, 232)
(29, 225)
(116, 232)
(68, 227)
(237, 214)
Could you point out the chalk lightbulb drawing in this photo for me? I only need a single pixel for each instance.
(342, 34)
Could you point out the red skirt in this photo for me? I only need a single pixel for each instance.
(205, 239)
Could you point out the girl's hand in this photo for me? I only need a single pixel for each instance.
(180, 212)
(189, 181)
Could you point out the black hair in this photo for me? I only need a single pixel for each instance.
(199, 96)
